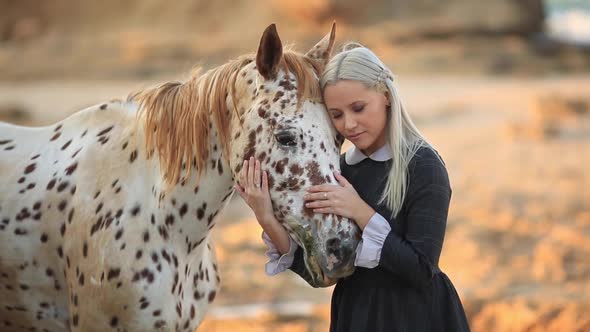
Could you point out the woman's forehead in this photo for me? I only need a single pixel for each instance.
(347, 91)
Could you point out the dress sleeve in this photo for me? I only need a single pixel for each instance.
(278, 263)
(369, 249)
(414, 257)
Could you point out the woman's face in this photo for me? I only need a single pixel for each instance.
(358, 113)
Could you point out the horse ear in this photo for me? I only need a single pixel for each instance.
(270, 52)
(323, 49)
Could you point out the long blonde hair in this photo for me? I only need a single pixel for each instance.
(357, 63)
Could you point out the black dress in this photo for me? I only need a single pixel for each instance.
(407, 291)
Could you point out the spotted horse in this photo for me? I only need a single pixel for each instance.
(105, 216)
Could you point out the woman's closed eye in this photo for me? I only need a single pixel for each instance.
(336, 115)
(358, 108)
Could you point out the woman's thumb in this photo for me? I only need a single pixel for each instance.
(240, 191)
(341, 179)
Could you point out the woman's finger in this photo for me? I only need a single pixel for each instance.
(321, 188)
(251, 166)
(243, 173)
(325, 195)
(264, 182)
(341, 179)
(323, 210)
(322, 196)
(316, 196)
(240, 191)
(257, 174)
(318, 204)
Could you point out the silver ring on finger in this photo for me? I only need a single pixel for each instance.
(325, 195)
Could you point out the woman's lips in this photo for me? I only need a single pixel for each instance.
(356, 136)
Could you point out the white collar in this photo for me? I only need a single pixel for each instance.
(354, 156)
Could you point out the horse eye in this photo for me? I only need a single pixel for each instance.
(286, 138)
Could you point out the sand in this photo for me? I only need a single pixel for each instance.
(517, 246)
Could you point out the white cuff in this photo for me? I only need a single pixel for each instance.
(278, 263)
(368, 252)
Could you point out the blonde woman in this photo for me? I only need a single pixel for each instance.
(396, 188)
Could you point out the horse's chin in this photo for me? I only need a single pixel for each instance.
(313, 267)
(323, 278)
(313, 261)
(338, 274)
(320, 279)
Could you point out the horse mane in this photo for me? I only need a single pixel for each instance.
(176, 115)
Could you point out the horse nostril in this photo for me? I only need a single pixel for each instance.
(333, 245)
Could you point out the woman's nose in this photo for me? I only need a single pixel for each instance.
(349, 122)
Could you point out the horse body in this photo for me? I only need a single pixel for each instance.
(97, 232)
(105, 216)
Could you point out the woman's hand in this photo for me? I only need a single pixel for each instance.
(253, 187)
(342, 200)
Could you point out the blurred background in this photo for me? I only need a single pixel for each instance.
(501, 88)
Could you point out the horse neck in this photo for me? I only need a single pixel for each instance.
(196, 201)
(187, 211)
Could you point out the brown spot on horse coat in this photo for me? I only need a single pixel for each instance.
(314, 174)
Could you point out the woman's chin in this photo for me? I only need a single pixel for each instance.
(363, 141)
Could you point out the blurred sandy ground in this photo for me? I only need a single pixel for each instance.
(508, 108)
